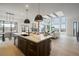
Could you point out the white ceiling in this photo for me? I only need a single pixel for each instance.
(45, 8)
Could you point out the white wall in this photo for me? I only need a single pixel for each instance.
(69, 26)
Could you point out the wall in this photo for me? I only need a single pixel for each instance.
(69, 26)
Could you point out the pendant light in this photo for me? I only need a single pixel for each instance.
(27, 21)
(38, 17)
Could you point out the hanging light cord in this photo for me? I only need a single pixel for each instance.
(26, 13)
(39, 8)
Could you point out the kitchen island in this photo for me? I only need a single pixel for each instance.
(35, 45)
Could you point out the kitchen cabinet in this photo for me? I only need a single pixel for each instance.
(31, 48)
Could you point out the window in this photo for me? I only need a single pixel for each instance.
(45, 25)
(63, 24)
(1, 26)
(58, 23)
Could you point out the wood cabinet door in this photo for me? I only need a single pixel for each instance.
(22, 45)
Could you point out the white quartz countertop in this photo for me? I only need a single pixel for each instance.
(34, 37)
